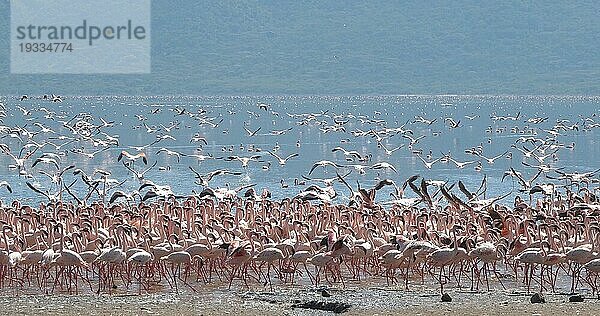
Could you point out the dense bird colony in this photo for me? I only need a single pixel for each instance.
(90, 230)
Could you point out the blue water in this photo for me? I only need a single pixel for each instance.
(230, 138)
(354, 47)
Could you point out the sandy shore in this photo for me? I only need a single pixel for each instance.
(364, 301)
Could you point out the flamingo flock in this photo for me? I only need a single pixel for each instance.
(257, 242)
(354, 217)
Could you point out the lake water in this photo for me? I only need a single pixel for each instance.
(316, 141)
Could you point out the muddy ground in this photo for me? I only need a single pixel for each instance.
(282, 301)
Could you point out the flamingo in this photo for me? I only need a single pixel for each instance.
(269, 255)
(320, 261)
(579, 256)
(177, 259)
(487, 253)
(593, 268)
(531, 257)
(109, 258)
(299, 257)
(391, 260)
(240, 257)
(444, 257)
(141, 259)
(132, 157)
(67, 259)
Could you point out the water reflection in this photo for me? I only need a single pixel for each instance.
(316, 141)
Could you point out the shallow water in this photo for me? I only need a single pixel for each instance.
(370, 297)
(229, 137)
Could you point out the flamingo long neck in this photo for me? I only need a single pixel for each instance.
(78, 243)
(22, 232)
(124, 241)
(62, 237)
(485, 230)
(147, 242)
(276, 236)
(150, 218)
(588, 232)
(577, 236)
(180, 226)
(5, 242)
(285, 227)
(420, 231)
(169, 242)
(252, 246)
(162, 233)
(511, 235)
(237, 217)
(455, 240)
(50, 238)
(38, 244)
(188, 219)
(526, 233)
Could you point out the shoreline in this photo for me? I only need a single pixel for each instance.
(367, 301)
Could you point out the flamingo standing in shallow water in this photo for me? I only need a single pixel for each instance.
(270, 255)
